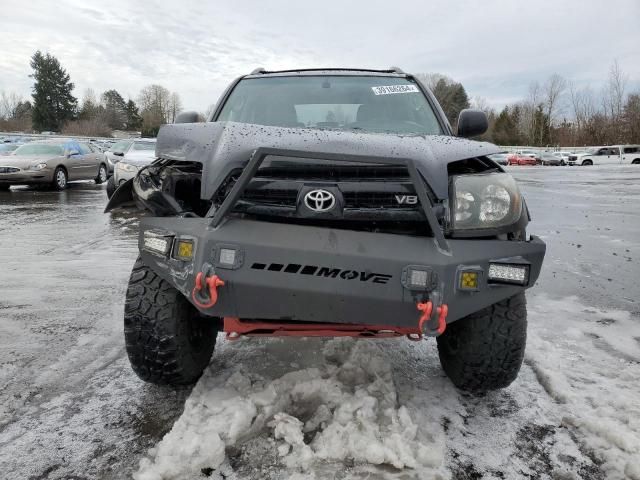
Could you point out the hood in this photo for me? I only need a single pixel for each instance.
(25, 161)
(139, 157)
(224, 146)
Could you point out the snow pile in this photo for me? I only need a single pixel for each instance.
(588, 360)
(344, 409)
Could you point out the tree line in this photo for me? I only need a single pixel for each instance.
(554, 113)
(53, 106)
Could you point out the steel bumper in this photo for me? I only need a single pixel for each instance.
(300, 273)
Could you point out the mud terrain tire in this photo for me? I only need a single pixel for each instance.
(484, 351)
(167, 341)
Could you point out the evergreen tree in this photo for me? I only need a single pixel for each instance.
(134, 120)
(452, 98)
(115, 109)
(53, 103)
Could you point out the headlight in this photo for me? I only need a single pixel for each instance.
(126, 167)
(482, 201)
(38, 166)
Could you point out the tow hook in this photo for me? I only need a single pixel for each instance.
(425, 322)
(205, 290)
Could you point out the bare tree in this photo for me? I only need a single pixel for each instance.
(8, 104)
(174, 107)
(481, 103)
(553, 89)
(616, 90)
(432, 79)
(153, 102)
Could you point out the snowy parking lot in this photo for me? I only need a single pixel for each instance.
(71, 407)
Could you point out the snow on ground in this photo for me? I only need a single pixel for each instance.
(384, 409)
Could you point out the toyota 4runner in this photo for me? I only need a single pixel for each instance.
(330, 202)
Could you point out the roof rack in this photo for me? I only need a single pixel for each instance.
(259, 71)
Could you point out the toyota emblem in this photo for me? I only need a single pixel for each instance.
(319, 200)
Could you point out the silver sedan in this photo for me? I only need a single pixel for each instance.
(52, 162)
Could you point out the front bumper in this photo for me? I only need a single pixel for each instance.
(301, 273)
(27, 177)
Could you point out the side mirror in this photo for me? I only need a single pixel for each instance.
(120, 154)
(187, 117)
(472, 122)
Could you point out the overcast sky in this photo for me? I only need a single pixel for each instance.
(495, 48)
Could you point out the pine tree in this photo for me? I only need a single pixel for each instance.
(134, 120)
(115, 109)
(53, 103)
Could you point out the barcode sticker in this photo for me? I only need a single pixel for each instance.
(389, 89)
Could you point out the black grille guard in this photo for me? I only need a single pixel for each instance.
(258, 156)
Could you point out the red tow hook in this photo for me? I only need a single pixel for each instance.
(427, 310)
(213, 282)
(443, 311)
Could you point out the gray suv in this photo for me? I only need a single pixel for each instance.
(329, 202)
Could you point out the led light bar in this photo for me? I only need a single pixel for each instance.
(508, 273)
(158, 244)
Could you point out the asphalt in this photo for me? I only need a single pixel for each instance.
(70, 407)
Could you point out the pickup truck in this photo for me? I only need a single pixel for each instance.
(611, 155)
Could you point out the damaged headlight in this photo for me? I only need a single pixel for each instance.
(484, 201)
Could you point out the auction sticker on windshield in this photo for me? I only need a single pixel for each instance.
(388, 89)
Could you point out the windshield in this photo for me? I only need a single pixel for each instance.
(374, 104)
(120, 146)
(144, 146)
(39, 149)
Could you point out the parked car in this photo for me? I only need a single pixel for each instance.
(551, 159)
(611, 155)
(518, 159)
(500, 158)
(564, 156)
(52, 162)
(529, 153)
(263, 221)
(138, 154)
(115, 153)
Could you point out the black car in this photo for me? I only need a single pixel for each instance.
(551, 159)
(500, 158)
(329, 203)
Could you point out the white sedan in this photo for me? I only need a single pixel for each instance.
(137, 154)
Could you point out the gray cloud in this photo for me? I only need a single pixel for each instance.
(496, 48)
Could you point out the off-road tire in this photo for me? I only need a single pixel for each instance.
(167, 341)
(103, 173)
(111, 186)
(484, 351)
